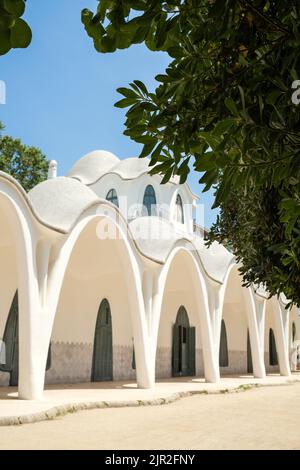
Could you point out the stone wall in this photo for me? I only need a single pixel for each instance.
(72, 363)
(163, 364)
(237, 363)
(122, 363)
(199, 363)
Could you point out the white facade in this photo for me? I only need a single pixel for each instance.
(65, 249)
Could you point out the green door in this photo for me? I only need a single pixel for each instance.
(184, 348)
(11, 340)
(102, 357)
(273, 359)
(223, 352)
(249, 355)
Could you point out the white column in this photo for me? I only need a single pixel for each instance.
(281, 328)
(210, 358)
(34, 325)
(210, 312)
(255, 310)
(216, 294)
(33, 348)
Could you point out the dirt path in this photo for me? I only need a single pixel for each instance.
(256, 419)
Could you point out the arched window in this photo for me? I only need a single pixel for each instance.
(273, 360)
(113, 197)
(149, 201)
(223, 354)
(179, 210)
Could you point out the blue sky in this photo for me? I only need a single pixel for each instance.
(61, 92)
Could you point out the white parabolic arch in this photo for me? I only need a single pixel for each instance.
(131, 277)
(15, 207)
(252, 317)
(198, 288)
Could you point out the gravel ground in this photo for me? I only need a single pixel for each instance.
(261, 418)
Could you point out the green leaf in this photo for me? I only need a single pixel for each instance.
(206, 162)
(273, 96)
(242, 98)
(15, 7)
(209, 178)
(156, 154)
(5, 45)
(210, 139)
(124, 103)
(147, 149)
(20, 35)
(141, 86)
(230, 104)
(167, 176)
(127, 92)
(223, 126)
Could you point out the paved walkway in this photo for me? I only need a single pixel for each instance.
(61, 399)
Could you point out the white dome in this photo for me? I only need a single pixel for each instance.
(92, 166)
(132, 168)
(58, 202)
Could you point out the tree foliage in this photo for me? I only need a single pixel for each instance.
(14, 31)
(225, 105)
(26, 164)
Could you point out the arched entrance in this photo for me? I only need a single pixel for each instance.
(273, 359)
(249, 355)
(184, 349)
(102, 356)
(11, 344)
(234, 348)
(294, 345)
(95, 267)
(223, 353)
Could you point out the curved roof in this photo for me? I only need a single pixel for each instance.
(58, 202)
(92, 166)
(132, 168)
(156, 238)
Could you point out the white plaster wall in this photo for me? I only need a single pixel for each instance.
(294, 347)
(235, 318)
(236, 327)
(95, 272)
(8, 287)
(131, 193)
(178, 292)
(8, 283)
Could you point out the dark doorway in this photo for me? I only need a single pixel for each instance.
(102, 357)
(184, 346)
(11, 341)
(249, 355)
(223, 353)
(273, 359)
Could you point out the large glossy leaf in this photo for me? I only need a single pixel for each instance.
(20, 34)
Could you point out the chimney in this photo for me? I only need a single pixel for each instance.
(52, 171)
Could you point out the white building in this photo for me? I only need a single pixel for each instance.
(105, 276)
